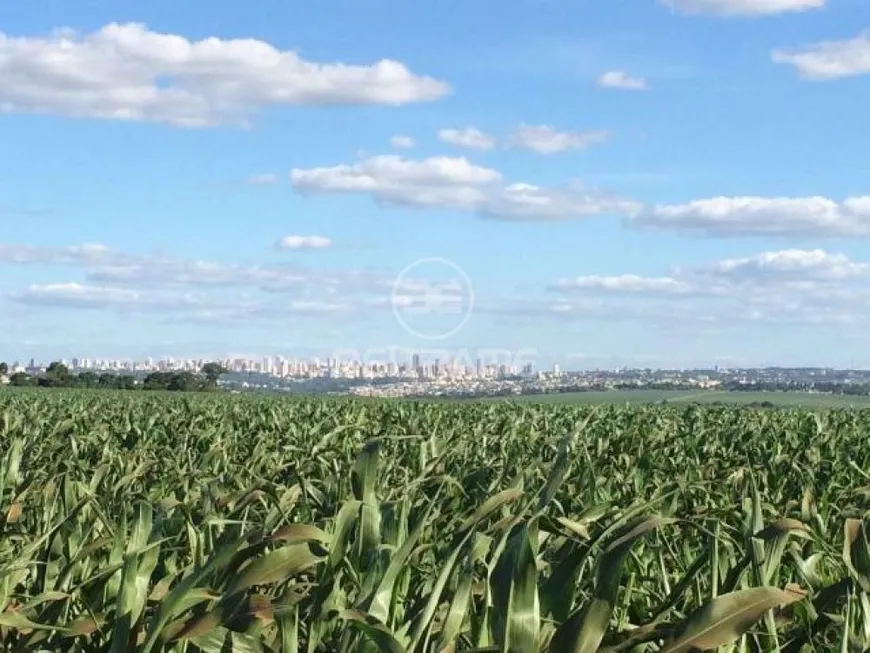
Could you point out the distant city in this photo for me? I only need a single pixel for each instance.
(418, 378)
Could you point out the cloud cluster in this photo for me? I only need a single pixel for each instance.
(743, 7)
(829, 59)
(785, 286)
(185, 290)
(128, 72)
(543, 139)
(762, 216)
(793, 286)
(791, 264)
(455, 183)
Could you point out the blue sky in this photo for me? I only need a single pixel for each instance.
(655, 182)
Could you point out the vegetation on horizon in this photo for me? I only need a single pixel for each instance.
(211, 523)
(58, 375)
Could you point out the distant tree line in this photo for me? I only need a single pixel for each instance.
(58, 375)
(825, 387)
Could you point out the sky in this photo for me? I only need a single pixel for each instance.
(665, 183)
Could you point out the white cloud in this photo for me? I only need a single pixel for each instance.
(77, 295)
(72, 255)
(454, 183)
(127, 72)
(402, 142)
(267, 179)
(792, 286)
(805, 265)
(530, 202)
(743, 7)
(436, 181)
(789, 286)
(544, 139)
(304, 242)
(109, 268)
(622, 80)
(167, 271)
(469, 137)
(626, 283)
(829, 59)
(762, 216)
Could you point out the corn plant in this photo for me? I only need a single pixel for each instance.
(163, 523)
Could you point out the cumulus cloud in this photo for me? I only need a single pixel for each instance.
(304, 242)
(743, 7)
(622, 80)
(762, 216)
(402, 142)
(544, 139)
(128, 72)
(435, 181)
(829, 59)
(455, 183)
(468, 137)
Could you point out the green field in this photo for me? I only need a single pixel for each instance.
(209, 523)
(784, 399)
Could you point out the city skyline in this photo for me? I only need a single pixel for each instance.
(397, 361)
(663, 183)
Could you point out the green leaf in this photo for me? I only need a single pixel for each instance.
(275, 566)
(585, 628)
(490, 506)
(516, 611)
(375, 632)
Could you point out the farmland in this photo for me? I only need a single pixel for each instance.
(145, 522)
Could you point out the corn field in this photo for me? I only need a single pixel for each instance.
(212, 523)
